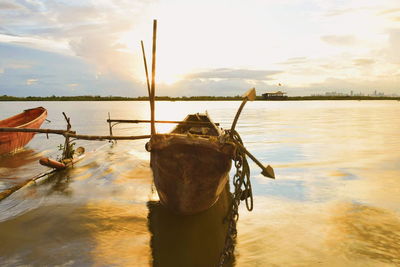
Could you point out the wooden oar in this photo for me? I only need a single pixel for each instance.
(266, 171)
(249, 95)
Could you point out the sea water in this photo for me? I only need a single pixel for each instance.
(335, 200)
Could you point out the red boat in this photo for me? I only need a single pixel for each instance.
(30, 118)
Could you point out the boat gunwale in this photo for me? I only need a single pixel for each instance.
(163, 141)
(43, 113)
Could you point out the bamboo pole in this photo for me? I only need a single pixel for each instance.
(153, 75)
(147, 121)
(72, 134)
(32, 130)
(107, 137)
(7, 192)
(146, 70)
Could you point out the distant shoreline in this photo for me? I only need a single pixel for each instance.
(192, 98)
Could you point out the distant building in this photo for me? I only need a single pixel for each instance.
(275, 96)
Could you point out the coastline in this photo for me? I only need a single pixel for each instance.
(5, 98)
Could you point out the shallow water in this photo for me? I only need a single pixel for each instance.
(335, 202)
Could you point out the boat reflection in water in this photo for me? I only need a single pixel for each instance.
(193, 240)
(10, 162)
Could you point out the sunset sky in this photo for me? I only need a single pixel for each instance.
(204, 47)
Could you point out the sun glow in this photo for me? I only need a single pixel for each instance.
(168, 71)
(168, 75)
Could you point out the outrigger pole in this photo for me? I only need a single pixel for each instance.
(198, 123)
(72, 134)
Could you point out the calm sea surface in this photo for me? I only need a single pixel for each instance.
(335, 202)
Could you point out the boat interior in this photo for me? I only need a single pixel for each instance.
(198, 124)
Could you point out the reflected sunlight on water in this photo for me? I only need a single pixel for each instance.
(335, 201)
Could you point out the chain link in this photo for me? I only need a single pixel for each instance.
(242, 192)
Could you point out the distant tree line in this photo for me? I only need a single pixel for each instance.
(115, 98)
(183, 98)
(344, 97)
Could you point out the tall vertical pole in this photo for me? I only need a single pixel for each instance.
(145, 69)
(153, 75)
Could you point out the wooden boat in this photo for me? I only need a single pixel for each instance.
(191, 164)
(30, 118)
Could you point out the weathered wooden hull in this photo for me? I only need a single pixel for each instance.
(189, 172)
(31, 118)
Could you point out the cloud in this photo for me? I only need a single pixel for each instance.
(363, 61)
(73, 86)
(389, 11)
(17, 65)
(294, 61)
(339, 40)
(367, 85)
(221, 82)
(227, 73)
(31, 81)
(211, 87)
(34, 72)
(339, 12)
(89, 31)
(5, 5)
(392, 51)
(392, 14)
